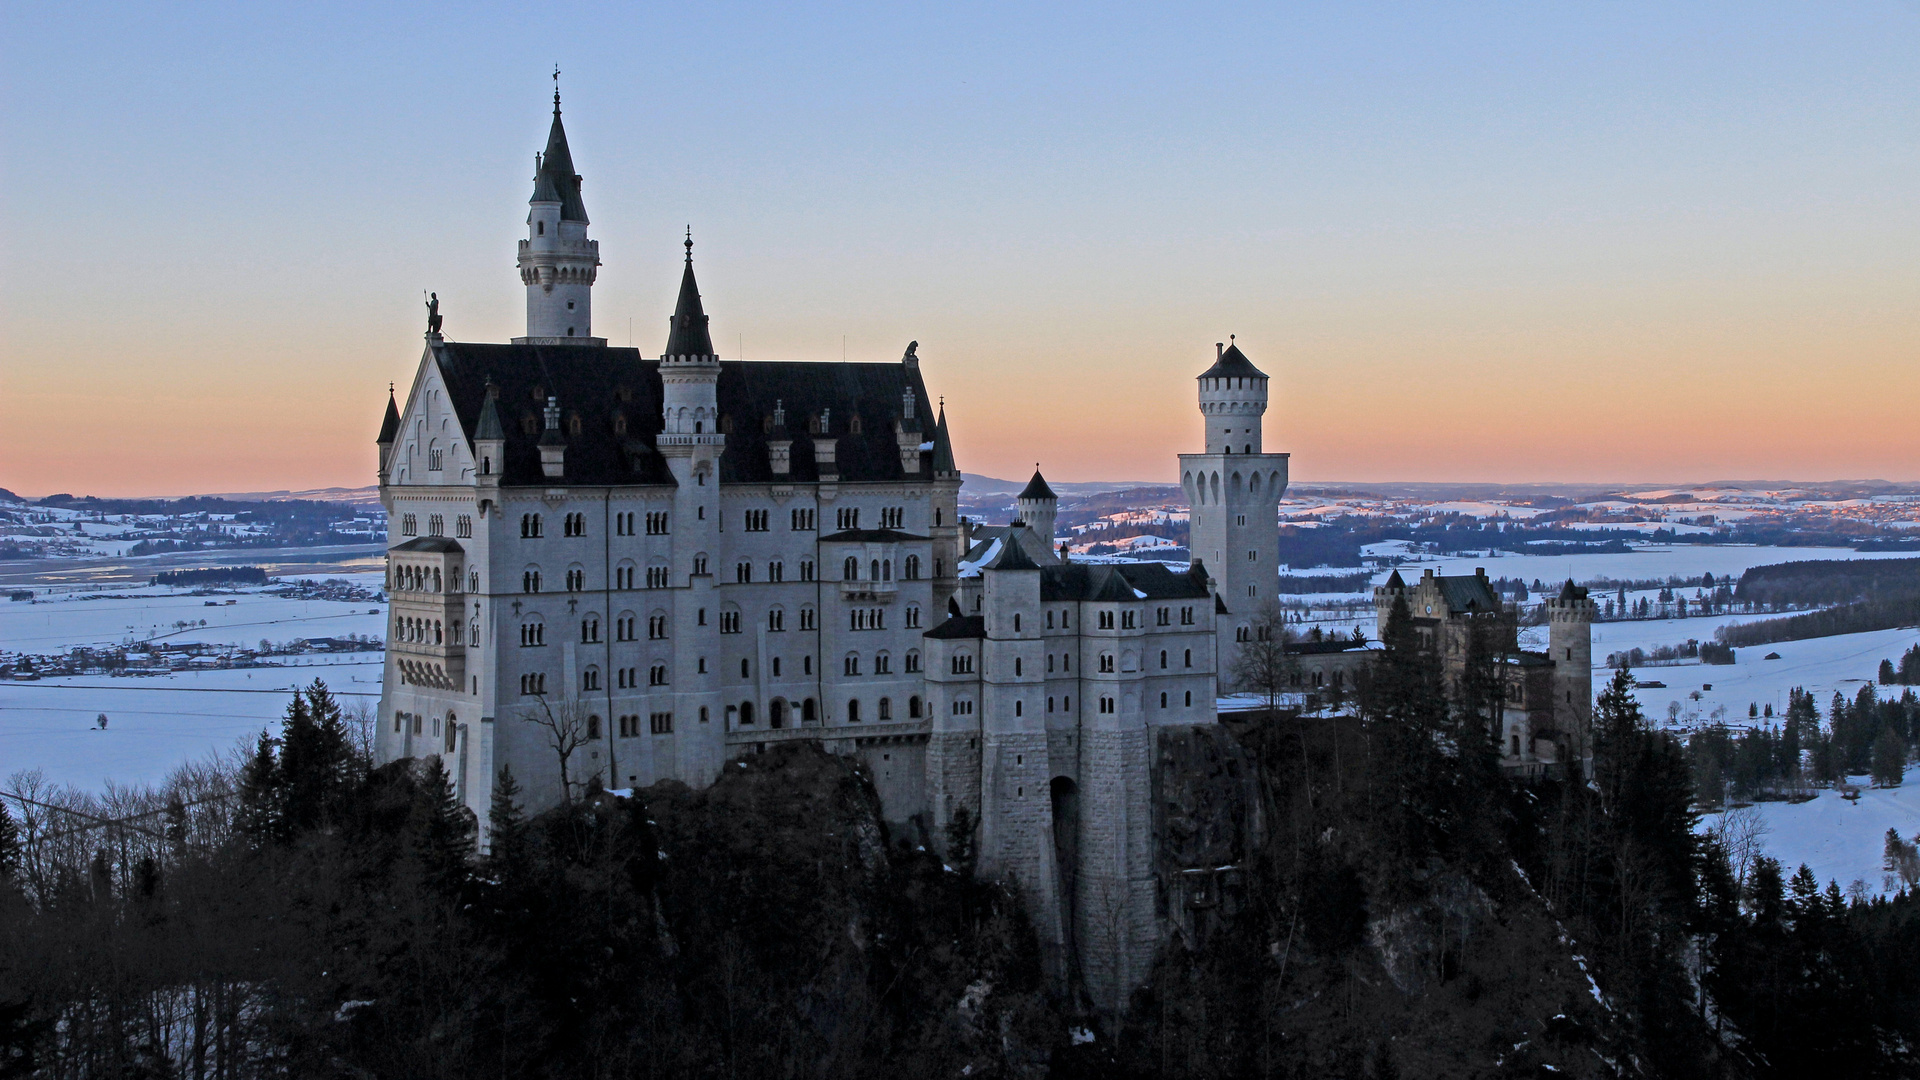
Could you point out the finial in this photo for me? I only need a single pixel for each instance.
(389, 389)
(556, 89)
(689, 245)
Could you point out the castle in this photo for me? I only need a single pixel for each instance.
(619, 569)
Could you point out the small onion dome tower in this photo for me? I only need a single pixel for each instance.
(689, 368)
(1233, 398)
(1039, 507)
(558, 263)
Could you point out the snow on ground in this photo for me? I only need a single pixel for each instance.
(156, 723)
(1838, 840)
(1642, 562)
(1845, 662)
(61, 620)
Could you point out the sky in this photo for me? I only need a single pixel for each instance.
(1516, 242)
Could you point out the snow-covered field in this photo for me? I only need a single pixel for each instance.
(155, 722)
(1649, 561)
(1838, 840)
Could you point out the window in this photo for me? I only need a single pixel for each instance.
(657, 675)
(848, 517)
(912, 568)
(629, 726)
(1162, 617)
(1106, 620)
(627, 678)
(913, 707)
(961, 708)
(745, 671)
(882, 664)
(1163, 658)
(623, 577)
(852, 664)
(533, 633)
(850, 570)
(1189, 697)
(1186, 616)
(1106, 661)
(1017, 672)
(776, 621)
(1106, 704)
(530, 685)
(729, 622)
(473, 581)
(1016, 622)
(473, 635)
(657, 523)
(806, 619)
(885, 709)
(700, 566)
(776, 667)
(806, 665)
(463, 525)
(776, 571)
(409, 525)
(743, 572)
(912, 662)
(623, 526)
(1049, 663)
(576, 579)
(853, 710)
(436, 525)
(802, 520)
(703, 714)
(593, 727)
(1163, 699)
(433, 457)
(1240, 634)
(590, 679)
(1066, 661)
(530, 526)
(755, 520)
(661, 723)
(806, 569)
(892, 516)
(656, 577)
(1186, 659)
(590, 629)
(574, 525)
(867, 619)
(962, 663)
(656, 627)
(913, 616)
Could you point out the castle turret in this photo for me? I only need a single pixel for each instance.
(1570, 645)
(1233, 398)
(1039, 507)
(389, 431)
(558, 263)
(689, 368)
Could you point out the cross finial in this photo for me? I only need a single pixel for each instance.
(689, 245)
(556, 89)
(389, 389)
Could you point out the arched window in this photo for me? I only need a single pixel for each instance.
(807, 715)
(913, 568)
(593, 727)
(913, 707)
(746, 712)
(886, 570)
(874, 573)
(853, 710)
(885, 711)
(851, 571)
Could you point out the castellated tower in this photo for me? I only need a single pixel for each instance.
(1234, 491)
(1570, 646)
(557, 261)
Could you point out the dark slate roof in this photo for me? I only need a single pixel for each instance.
(1039, 548)
(1396, 581)
(430, 543)
(960, 626)
(1012, 557)
(1570, 591)
(489, 419)
(942, 446)
(556, 181)
(869, 536)
(1321, 648)
(1233, 364)
(687, 331)
(1467, 592)
(598, 385)
(1117, 583)
(1037, 488)
(390, 426)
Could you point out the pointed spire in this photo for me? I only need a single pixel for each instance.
(390, 426)
(1037, 487)
(688, 335)
(554, 179)
(942, 447)
(489, 427)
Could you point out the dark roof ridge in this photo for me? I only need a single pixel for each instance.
(1037, 487)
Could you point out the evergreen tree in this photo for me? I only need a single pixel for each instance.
(1889, 758)
(506, 829)
(316, 760)
(1887, 676)
(260, 817)
(9, 845)
(439, 829)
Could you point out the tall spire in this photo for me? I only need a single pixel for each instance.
(558, 263)
(688, 335)
(554, 179)
(942, 446)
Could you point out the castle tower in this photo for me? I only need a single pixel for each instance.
(557, 261)
(1233, 490)
(1039, 507)
(1570, 644)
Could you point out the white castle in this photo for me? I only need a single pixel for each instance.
(636, 568)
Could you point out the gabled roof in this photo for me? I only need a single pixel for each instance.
(1037, 488)
(605, 388)
(390, 425)
(960, 626)
(1012, 557)
(1467, 592)
(1570, 591)
(687, 334)
(1116, 583)
(1233, 364)
(556, 181)
(1396, 581)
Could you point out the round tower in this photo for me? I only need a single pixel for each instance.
(1570, 646)
(1039, 507)
(689, 368)
(1233, 398)
(558, 263)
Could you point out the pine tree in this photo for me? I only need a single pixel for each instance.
(261, 814)
(1889, 758)
(506, 829)
(315, 760)
(439, 828)
(1887, 676)
(9, 845)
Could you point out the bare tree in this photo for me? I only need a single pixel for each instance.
(1263, 664)
(566, 730)
(1742, 833)
(360, 718)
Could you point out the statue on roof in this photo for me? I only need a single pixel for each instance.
(912, 354)
(433, 314)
